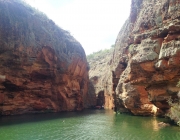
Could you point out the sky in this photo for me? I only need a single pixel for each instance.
(94, 23)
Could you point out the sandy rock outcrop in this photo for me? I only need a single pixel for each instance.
(146, 58)
(100, 76)
(42, 67)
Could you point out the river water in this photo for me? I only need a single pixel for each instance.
(86, 125)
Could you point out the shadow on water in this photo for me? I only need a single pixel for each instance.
(28, 118)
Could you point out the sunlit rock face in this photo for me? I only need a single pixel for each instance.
(42, 67)
(100, 76)
(146, 58)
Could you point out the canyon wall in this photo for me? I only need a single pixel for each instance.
(42, 67)
(100, 77)
(146, 59)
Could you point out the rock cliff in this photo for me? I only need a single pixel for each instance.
(42, 67)
(100, 76)
(143, 71)
(146, 59)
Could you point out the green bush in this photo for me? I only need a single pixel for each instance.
(98, 54)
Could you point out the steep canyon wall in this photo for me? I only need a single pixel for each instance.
(146, 58)
(142, 72)
(42, 67)
(100, 77)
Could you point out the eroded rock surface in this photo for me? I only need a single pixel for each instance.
(100, 76)
(42, 67)
(146, 58)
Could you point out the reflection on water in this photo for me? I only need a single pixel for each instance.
(86, 125)
(155, 125)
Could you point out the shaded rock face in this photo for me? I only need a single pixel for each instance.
(100, 76)
(146, 59)
(42, 67)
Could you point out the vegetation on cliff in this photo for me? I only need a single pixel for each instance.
(99, 54)
(25, 25)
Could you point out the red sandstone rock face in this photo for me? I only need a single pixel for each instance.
(42, 67)
(147, 58)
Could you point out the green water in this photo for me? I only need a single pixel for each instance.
(86, 125)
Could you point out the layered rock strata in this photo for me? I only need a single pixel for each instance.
(146, 59)
(42, 67)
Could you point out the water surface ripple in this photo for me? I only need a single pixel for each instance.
(86, 125)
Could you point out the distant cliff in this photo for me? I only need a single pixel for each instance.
(100, 76)
(42, 67)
